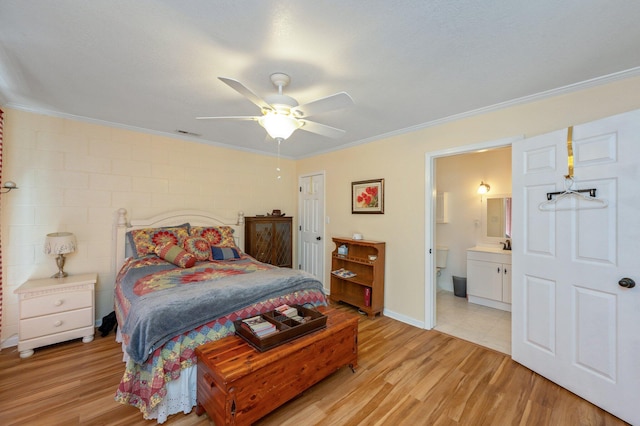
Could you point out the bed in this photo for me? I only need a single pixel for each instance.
(167, 303)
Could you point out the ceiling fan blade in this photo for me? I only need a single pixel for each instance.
(246, 92)
(321, 129)
(236, 118)
(330, 103)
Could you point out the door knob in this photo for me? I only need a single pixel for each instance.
(318, 238)
(627, 283)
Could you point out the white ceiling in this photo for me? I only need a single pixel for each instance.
(154, 64)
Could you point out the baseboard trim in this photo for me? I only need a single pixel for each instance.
(403, 318)
(10, 342)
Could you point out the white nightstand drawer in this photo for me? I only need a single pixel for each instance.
(56, 323)
(55, 302)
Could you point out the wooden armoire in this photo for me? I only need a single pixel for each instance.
(269, 239)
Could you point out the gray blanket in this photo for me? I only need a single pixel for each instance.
(158, 316)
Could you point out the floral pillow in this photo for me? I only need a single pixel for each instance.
(221, 236)
(199, 247)
(225, 253)
(144, 241)
(174, 254)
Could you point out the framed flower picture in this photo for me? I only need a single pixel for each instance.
(367, 196)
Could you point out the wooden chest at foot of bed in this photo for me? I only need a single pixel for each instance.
(237, 385)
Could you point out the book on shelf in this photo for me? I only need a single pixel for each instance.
(287, 311)
(256, 322)
(259, 326)
(263, 332)
(367, 296)
(343, 273)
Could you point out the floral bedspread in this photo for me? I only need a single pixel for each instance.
(143, 384)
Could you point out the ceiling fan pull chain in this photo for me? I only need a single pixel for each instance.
(278, 168)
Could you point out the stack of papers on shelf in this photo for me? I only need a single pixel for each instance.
(343, 273)
(259, 326)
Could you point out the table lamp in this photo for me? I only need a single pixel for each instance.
(60, 243)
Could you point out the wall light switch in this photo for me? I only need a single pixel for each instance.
(328, 220)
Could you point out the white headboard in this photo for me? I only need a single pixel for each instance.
(178, 217)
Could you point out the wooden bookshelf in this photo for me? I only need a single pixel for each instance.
(365, 290)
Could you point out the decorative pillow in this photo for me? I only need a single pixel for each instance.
(199, 247)
(176, 255)
(221, 236)
(144, 241)
(225, 253)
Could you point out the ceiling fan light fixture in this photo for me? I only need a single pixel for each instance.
(279, 125)
(282, 115)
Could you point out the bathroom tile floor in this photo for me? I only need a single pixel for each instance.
(478, 324)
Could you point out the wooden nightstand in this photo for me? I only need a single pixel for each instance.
(54, 310)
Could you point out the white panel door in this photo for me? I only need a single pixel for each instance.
(311, 202)
(572, 321)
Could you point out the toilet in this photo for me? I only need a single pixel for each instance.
(441, 258)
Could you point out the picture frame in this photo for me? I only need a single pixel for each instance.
(367, 196)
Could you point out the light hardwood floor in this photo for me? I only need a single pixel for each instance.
(406, 376)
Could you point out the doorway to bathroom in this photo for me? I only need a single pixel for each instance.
(457, 224)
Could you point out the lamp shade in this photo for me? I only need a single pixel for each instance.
(279, 125)
(60, 243)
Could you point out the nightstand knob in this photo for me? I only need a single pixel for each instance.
(58, 302)
(57, 323)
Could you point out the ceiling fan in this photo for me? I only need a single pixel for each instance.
(281, 114)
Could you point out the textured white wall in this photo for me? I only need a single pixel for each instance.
(73, 176)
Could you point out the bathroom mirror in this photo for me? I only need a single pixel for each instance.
(496, 217)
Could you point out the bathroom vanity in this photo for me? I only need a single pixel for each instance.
(489, 277)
